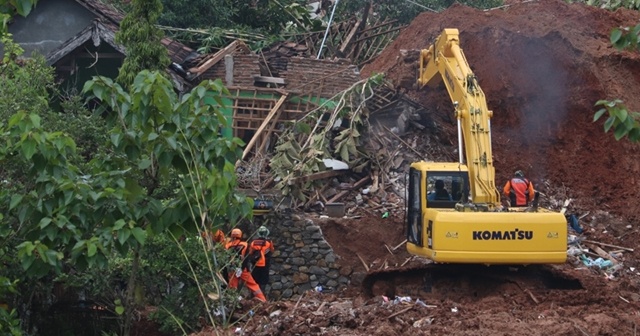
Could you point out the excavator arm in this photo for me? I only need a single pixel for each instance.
(445, 60)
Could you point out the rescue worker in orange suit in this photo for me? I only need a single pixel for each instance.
(519, 190)
(260, 251)
(241, 248)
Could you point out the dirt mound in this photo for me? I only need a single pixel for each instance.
(542, 66)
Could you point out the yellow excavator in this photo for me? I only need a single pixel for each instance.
(469, 224)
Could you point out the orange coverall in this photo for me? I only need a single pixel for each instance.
(519, 190)
(264, 248)
(241, 248)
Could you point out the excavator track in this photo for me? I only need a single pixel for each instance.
(455, 281)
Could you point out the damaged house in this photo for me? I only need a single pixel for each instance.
(270, 90)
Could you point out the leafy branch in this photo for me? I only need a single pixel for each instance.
(621, 120)
(319, 135)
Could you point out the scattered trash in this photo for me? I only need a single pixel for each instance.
(454, 309)
(573, 222)
(574, 251)
(617, 255)
(572, 239)
(385, 299)
(423, 321)
(385, 215)
(402, 299)
(318, 288)
(418, 302)
(275, 313)
(601, 263)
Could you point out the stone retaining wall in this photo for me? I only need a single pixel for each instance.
(303, 259)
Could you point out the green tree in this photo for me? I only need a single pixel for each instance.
(623, 122)
(197, 13)
(78, 216)
(9, 8)
(142, 41)
(273, 16)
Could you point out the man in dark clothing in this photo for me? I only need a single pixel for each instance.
(440, 194)
(519, 190)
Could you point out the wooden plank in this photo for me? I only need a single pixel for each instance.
(76, 42)
(398, 246)
(217, 57)
(347, 40)
(264, 124)
(363, 263)
(265, 79)
(271, 128)
(532, 296)
(401, 312)
(608, 245)
(378, 34)
(319, 175)
(388, 249)
(355, 186)
(602, 253)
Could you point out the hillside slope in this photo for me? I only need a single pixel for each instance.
(542, 66)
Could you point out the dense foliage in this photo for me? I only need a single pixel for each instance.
(10, 8)
(405, 11)
(141, 38)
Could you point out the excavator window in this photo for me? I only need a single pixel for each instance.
(414, 215)
(445, 189)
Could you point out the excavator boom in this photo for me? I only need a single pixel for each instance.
(446, 59)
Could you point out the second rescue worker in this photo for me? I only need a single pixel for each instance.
(241, 248)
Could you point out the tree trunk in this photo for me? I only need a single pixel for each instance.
(130, 304)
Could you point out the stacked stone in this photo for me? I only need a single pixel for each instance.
(303, 260)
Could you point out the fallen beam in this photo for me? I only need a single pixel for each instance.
(363, 263)
(354, 187)
(608, 245)
(266, 79)
(319, 176)
(398, 246)
(400, 312)
(263, 125)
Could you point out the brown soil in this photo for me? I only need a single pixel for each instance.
(542, 66)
